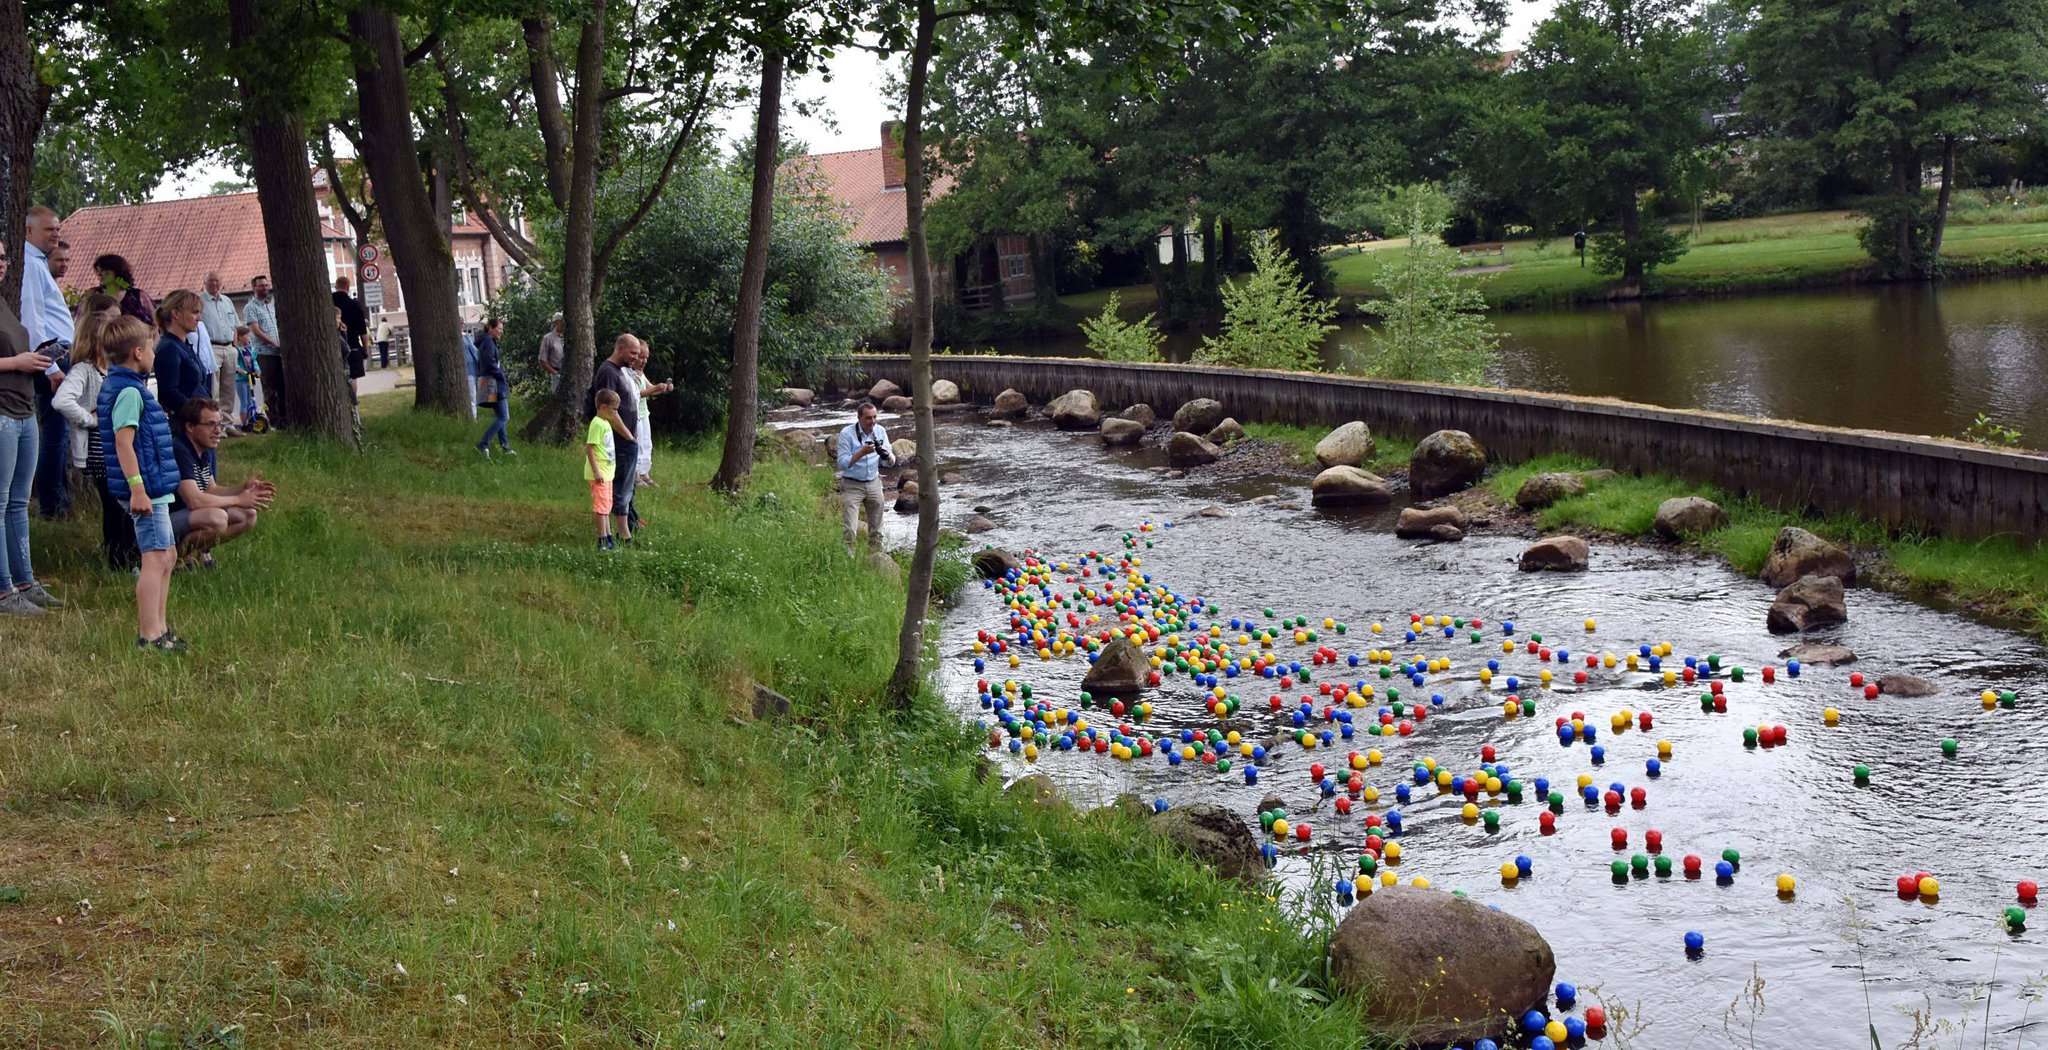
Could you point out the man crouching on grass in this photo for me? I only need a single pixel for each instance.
(206, 514)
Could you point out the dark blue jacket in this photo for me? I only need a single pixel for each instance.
(179, 375)
(153, 456)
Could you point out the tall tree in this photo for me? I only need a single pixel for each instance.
(737, 459)
(24, 100)
(1894, 85)
(418, 238)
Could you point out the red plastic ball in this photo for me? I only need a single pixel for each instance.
(1770, 675)
(1692, 864)
(1870, 692)
(1638, 796)
(1644, 720)
(1579, 678)
(1855, 679)
(1343, 804)
(1487, 753)
(1619, 836)
(1908, 886)
(2029, 892)
(1653, 840)
(1301, 832)
(1546, 821)
(1595, 1017)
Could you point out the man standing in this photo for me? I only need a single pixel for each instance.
(260, 316)
(220, 318)
(49, 325)
(611, 375)
(861, 450)
(551, 346)
(355, 324)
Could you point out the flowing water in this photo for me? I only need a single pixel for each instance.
(1916, 359)
(1844, 952)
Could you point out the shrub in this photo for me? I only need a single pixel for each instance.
(1269, 318)
(1433, 323)
(1115, 339)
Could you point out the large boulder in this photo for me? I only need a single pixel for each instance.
(1819, 654)
(1556, 554)
(1038, 789)
(1190, 450)
(800, 445)
(897, 403)
(1419, 523)
(945, 392)
(903, 452)
(1906, 685)
(1806, 603)
(1797, 552)
(1689, 516)
(1226, 432)
(1350, 445)
(1140, 413)
(1445, 462)
(1198, 416)
(1483, 967)
(1446, 533)
(1120, 667)
(1349, 487)
(883, 565)
(994, 563)
(1075, 410)
(1542, 490)
(978, 523)
(906, 498)
(796, 395)
(1120, 431)
(1215, 836)
(1010, 405)
(883, 390)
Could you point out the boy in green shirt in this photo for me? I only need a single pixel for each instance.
(600, 464)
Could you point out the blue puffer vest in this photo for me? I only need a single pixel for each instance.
(159, 467)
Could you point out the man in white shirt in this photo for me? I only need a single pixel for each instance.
(48, 320)
(218, 318)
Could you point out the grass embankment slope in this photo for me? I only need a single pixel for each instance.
(1774, 253)
(437, 773)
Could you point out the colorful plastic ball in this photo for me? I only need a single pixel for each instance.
(2029, 891)
(1574, 1029)
(1554, 1031)
(1523, 864)
(1533, 1021)
(1663, 865)
(1596, 1017)
(1908, 885)
(1692, 864)
(1695, 941)
(1929, 886)
(1566, 995)
(1948, 746)
(1485, 1044)
(1508, 871)
(1862, 773)
(1830, 716)
(1653, 767)
(2016, 919)
(1786, 885)
(1619, 868)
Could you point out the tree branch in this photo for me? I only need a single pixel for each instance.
(426, 47)
(624, 90)
(359, 219)
(602, 261)
(547, 106)
(522, 250)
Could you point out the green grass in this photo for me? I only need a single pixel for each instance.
(1389, 452)
(1999, 576)
(436, 773)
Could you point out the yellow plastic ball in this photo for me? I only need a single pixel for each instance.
(1376, 628)
(1663, 749)
(1507, 647)
(1443, 778)
(1787, 884)
(1388, 878)
(1030, 752)
(1670, 678)
(1485, 676)
(1830, 716)
(1392, 853)
(1419, 882)
(1280, 829)
(1989, 699)
(1372, 794)
(1930, 887)
(1373, 757)
(1590, 625)
(1555, 1030)
(1470, 812)
(1607, 661)
(1493, 785)
(1585, 780)
(1510, 709)
(1509, 873)
(1429, 764)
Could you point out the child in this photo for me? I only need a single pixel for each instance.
(245, 376)
(145, 477)
(599, 463)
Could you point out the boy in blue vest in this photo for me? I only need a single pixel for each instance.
(147, 476)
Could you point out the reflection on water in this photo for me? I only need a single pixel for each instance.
(1787, 809)
(1915, 359)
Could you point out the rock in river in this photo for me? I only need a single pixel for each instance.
(1906, 685)
(1445, 462)
(1215, 836)
(1350, 445)
(1556, 554)
(1542, 490)
(1479, 968)
(796, 395)
(1190, 450)
(1688, 516)
(1075, 410)
(994, 562)
(1809, 602)
(1797, 552)
(1349, 487)
(1140, 413)
(1417, 523)
(945, 392)
(1121, 667)
(1819, 655)
(1010, 405)
(883, 390)
(1119, 431)
(1198, 416)
(1226, 432)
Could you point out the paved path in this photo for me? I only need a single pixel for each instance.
(383, 380)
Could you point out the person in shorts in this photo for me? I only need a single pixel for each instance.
(145, 474)
(600, 463)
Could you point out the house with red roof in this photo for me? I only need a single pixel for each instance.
(868, 185)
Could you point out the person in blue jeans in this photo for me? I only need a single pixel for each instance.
(20, 441)
(490, 378)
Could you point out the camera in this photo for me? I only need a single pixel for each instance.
(881, 449)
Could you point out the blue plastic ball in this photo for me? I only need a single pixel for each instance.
(1653, 767)
(1574, 1029)
(1493, 665)
(1508, 627)
(1542, 1042)
(1723, 871)
(1566, 995)
(1599, 754)
(1533, 1021)
(1524, 865)
(1695, 940)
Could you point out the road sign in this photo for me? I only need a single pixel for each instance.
(367, 254)
(371, 273)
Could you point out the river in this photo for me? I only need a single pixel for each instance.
(1915, 359)
(1845, 951)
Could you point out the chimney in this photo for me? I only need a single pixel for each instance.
(892, 154)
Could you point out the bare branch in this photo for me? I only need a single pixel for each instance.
(602, 261)
(360, 219)
(522, 250)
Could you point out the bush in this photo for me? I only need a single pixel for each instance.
(675, 283)
(1115, 339)
(1433, 323)
(1269, 318)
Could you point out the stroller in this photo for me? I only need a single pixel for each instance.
(258, 422)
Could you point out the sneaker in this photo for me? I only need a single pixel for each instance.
(37, 594)
(163, 643)
(506, 450)
(18, 604)
(484, 451)
(206, 562)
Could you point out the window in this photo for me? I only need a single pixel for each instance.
(458, 216)
(1016, 266)
(476, 284)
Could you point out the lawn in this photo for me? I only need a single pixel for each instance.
(438, 773)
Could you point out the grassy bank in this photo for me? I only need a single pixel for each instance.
(1389, 453)
(437, 773)
(1999, 578)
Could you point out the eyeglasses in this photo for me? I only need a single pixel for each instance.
(218, 424)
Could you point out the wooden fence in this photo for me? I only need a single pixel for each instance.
(1903, 482)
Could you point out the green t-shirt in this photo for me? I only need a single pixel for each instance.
(128, 416)
(599, 438)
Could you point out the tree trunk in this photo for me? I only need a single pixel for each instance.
(1178, 266)
(1941, 202)
(1045, 270)
(1228, 237)
(559, 420)
(1631, 236)
(1906, 187)
(315, 397)
(908, 677)
(419, 253)
(1298, 235)
(744, 397)
(1211, 290)
(24, 101)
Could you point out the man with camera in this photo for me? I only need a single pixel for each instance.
(860, 453)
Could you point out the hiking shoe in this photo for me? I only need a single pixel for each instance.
(18, 604)
(163, 643)
(41, 596)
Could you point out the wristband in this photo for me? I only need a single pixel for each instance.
(134, 481)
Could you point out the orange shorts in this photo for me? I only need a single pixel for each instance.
(600, 497)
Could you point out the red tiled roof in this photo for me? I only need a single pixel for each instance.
(174, 244)
(854, 179)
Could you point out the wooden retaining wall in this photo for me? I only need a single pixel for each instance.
(1904, 482)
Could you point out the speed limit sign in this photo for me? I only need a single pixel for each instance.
(371, 273)
(367, 253)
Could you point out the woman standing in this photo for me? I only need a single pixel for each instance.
(644, 431)
(78, 400)
(118, 280)
(20, 437)
(492, 388)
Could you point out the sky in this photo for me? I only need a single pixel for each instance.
(849, 113)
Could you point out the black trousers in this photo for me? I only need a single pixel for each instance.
(272, 368)
(117, 528)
